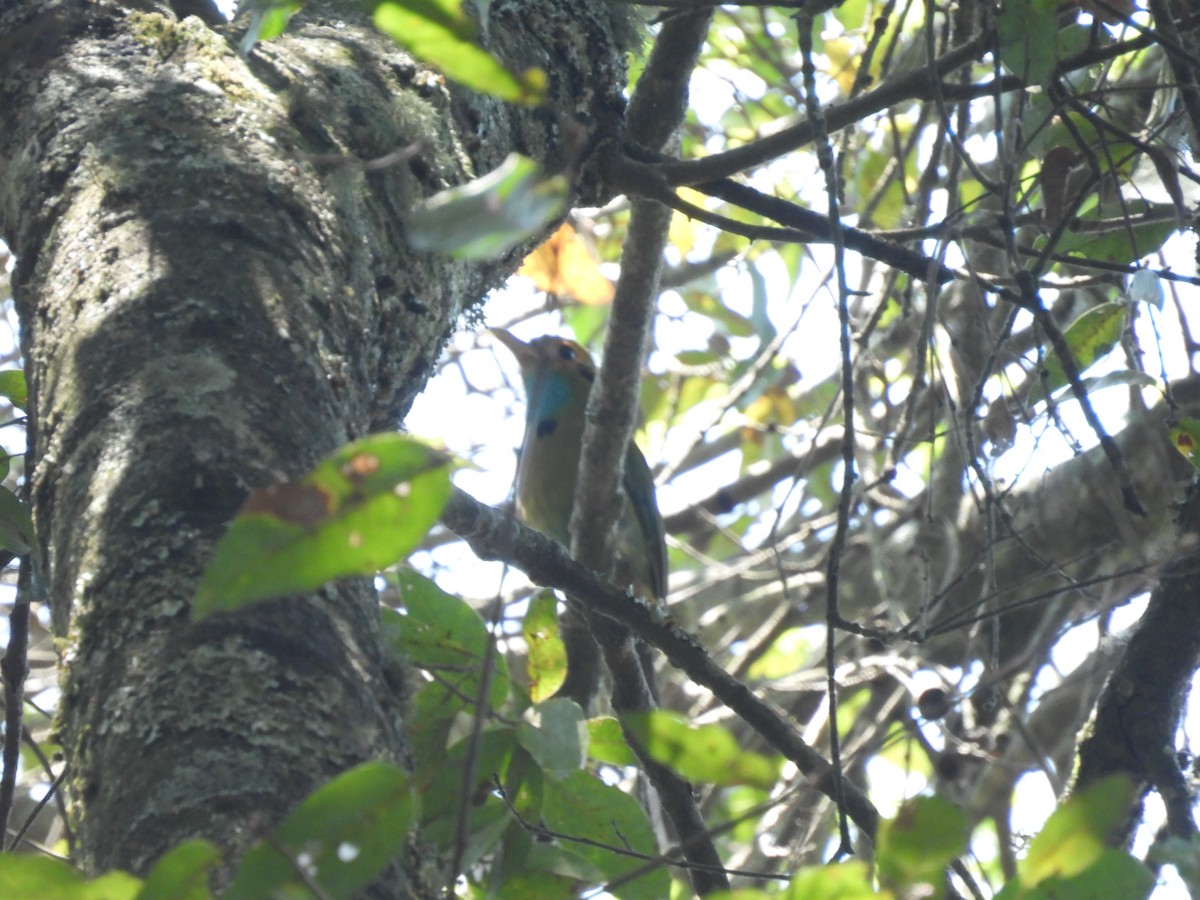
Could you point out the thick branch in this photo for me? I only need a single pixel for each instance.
(657, 107)
(914, 85)
(493, 535)
(638, 176)
(918, 85)
(1138, 714)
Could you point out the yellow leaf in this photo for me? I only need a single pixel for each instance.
(682, 234)
(772, 407)
(844, 55)
(564, 265)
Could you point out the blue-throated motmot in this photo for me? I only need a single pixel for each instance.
(558, 376)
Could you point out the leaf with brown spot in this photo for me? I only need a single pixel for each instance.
(364, 507)
(362, 466)
(301, 504)
(1185, 435)
(16, 526)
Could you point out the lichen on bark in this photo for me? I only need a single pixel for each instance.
(213, 295)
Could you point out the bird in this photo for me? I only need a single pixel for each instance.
(558, 376)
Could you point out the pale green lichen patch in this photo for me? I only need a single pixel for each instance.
(154, 30)
(167, 35)
(203, 54)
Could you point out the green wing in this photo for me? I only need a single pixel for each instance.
(639, 489)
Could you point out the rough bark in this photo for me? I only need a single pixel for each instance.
(207, 308)
(1134, 728)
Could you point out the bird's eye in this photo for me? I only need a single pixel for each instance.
(566, 351)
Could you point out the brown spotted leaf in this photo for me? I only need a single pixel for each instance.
(364, 507)
(1185, 435)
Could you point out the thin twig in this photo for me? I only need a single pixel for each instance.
(53, 791)
(482, 709)
(292, 857)
(837, 544)
(490, 534)
(920, 84)
(652, 862)
(32, 744)
(14, 667)
(347, 161)
(1029, 298)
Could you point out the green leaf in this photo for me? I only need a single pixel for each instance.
(442, 634)
(851, 13)
(1185, 435)
(487, 217)
(441, 787)
(343, 836)
(788, 654)
(13, 386)
(440, 33)
(1112, 874)
(840, 881)
(1184, 856)
(364, 507)
(709, 753)
(759, 319)
(1090, 337)
(537, 883)
(53, 879)
(433, 716)
(897, 748)
(1031, 42)
(1026, 31)
(1074, 835)
(1121, 378)
(182, 873)
(536, 869)
(607, 744)
(582, 806)
(446, 635)
(546, 664)
(709, 306)
(741, 807)
(268, 19)
(557, 739)
(275, 19)
(1124, 242)
(16, 525)
(487, 823)
(917, 845)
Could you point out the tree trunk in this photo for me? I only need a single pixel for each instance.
(213, 295)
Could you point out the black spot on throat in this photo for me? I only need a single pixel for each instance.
(588, 375)
(546, 427)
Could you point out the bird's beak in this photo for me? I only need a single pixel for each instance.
(517, 347)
